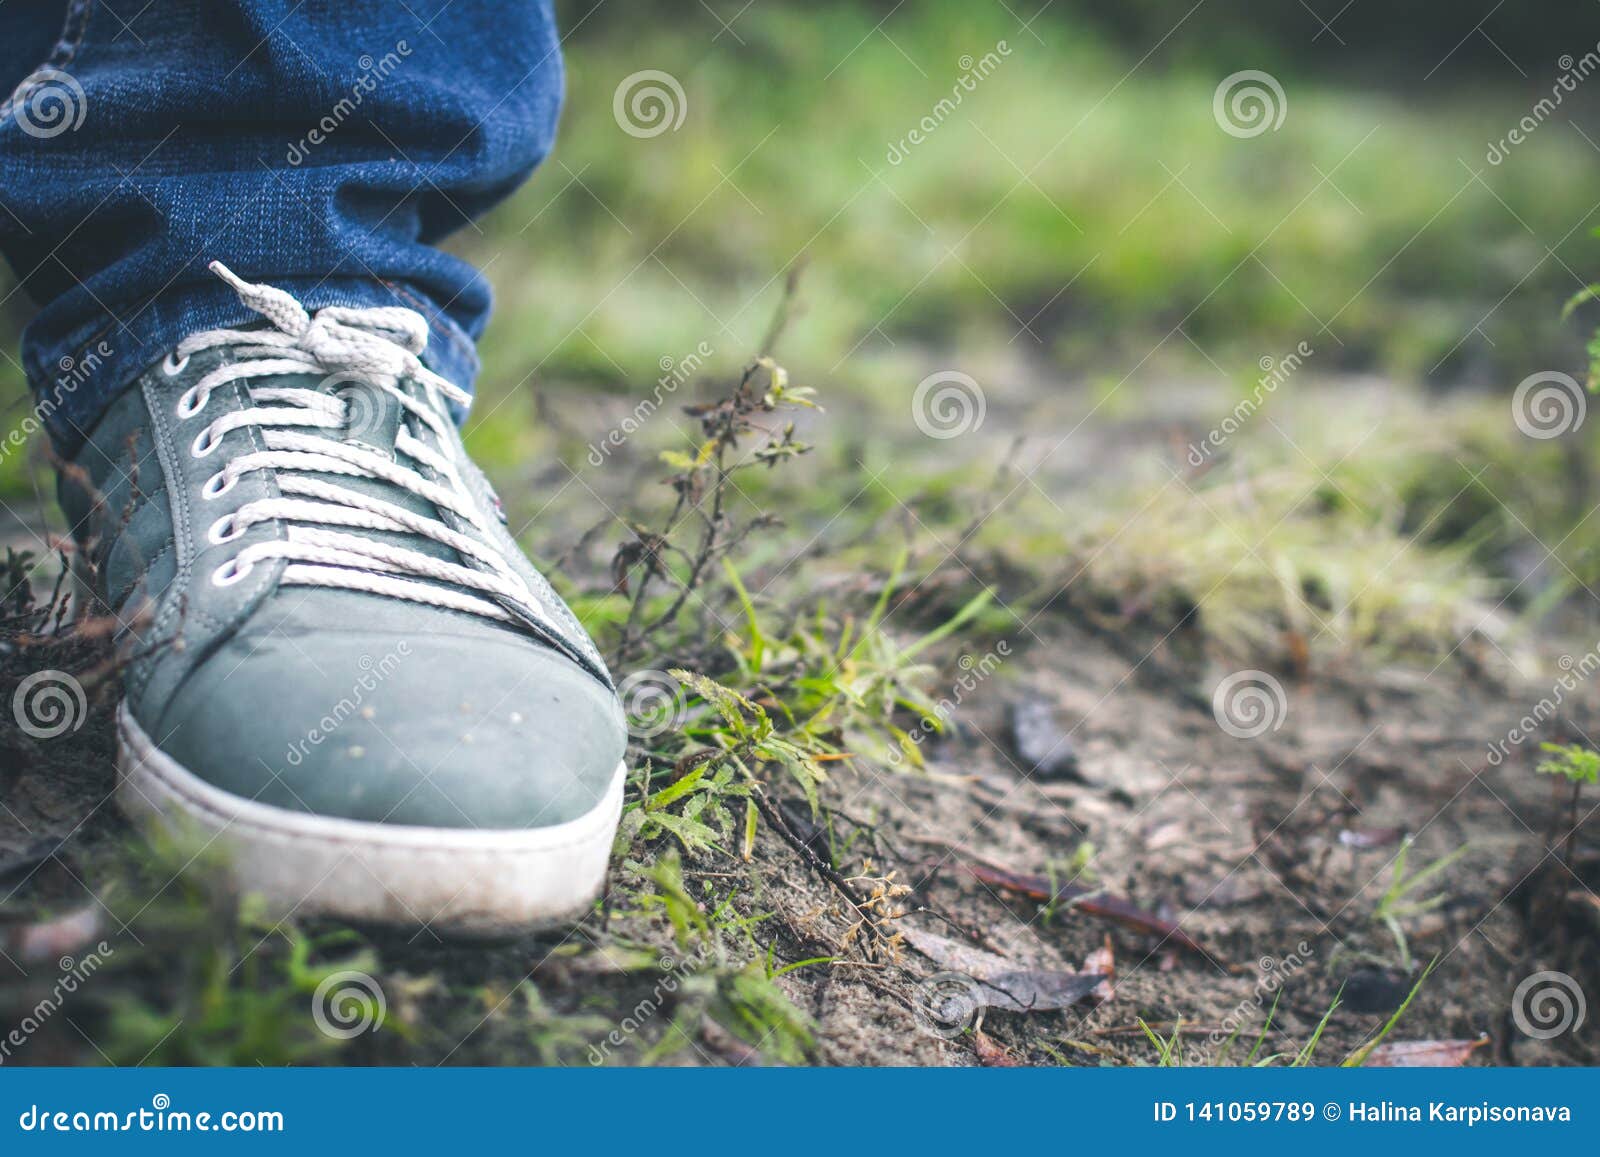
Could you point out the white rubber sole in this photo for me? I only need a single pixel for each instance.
(456, 881)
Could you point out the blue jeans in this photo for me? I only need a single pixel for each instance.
(325, 146)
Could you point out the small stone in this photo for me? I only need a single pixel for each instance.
(1044, 750)
(1376, 990)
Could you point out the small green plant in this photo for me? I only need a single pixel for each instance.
(1405, 898)
(1168, 1055)
(1309, 1049)
(1077, 869)
(1574, 762)
(1577, 765)
(1585, 295)
(742, 998)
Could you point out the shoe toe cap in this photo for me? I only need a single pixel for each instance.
(491, 732)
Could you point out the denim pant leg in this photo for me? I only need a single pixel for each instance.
(325, 146)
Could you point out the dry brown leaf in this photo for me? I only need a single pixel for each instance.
(1424, 1054)
(1102, 959)
(992, 1053)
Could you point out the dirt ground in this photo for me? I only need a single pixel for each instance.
(1094, 748)
(1270, 852)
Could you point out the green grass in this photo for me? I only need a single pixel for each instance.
(1407, 896)
(1086, 210)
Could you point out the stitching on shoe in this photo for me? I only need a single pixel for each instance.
(180, 510)
(129, 587)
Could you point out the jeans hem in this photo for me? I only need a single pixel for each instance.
(76, 378)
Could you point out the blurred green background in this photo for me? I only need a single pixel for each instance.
(1081, 210)
(1081, 228)
(1080, 206)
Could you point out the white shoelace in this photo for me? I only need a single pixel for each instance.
(378, 348)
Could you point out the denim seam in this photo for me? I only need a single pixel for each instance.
(78, 11)
(435, 317)
(73, 30)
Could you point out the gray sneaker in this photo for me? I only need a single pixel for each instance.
(341, 668)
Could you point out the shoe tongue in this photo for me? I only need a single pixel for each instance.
(373, 421)
(373, 417)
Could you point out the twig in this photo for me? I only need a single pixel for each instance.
(827, 871)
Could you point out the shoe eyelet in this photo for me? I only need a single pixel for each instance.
(205, 444)
(218, 485)
(225, 529)
(230, 572)
(191, 403)
(174, 365)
